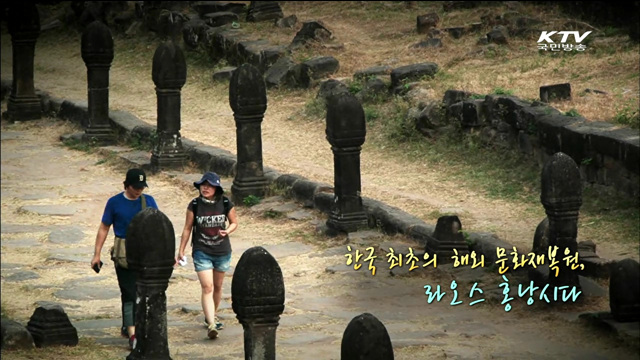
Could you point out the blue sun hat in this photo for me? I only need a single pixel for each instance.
(212, 178)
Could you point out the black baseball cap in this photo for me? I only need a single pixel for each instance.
(136, 178)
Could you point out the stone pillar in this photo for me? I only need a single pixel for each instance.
(150, 251)
(257, 290)
(624, 290)
(24, 27)
(169, 73)
(446, 237)
(97, 53)
(366, 338)
(346, 131)
(248, 99)
(561, 197)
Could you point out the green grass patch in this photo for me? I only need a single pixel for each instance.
(572, 113)
(251, 200)
(628, 116)
(610, 215)
(140, 142)
(502, 91)
(80, 145)
(371, 113)
(273, 214)
(355, 86)
(4, 312)
(315, 108)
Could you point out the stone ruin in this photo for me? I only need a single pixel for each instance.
(97, 53)
(169, 73)
(24, 27)
(49, 325)
(605, 153)
(213, 28)
(560, 186)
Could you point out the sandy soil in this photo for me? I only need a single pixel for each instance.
(293, 146)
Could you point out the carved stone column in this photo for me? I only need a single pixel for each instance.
(24, 27)
(624, 290)
(446, 237)
(248, 99)
(257, 290)
(561, 196)
(97, 53)
(150, 251)
(346, 131)
(169, 73)
(366, 338)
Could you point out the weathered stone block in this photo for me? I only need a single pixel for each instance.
(270, 55)
(287, 22)
(454, 96)
(372, 71)
(426, 22)
(278, 73)
(193, 31)
(223, 74)
(555, 92)
(311, 30)
(50, 325)
(15, 336)
(220, 18)
(321, 66)
(331, 88)
(250, 52)
(372, 88)
(624, 290)
(472, 113)
(206, 7)
(412, 72)
(455, 32)
(499, 35)
(433, 42)
(550, 129)
(264, 10)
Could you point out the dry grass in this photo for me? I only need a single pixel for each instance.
(87, 349)
(428, 178)
(381, 33)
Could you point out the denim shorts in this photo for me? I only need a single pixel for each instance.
(203, 261)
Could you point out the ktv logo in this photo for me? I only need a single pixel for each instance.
(545, 42)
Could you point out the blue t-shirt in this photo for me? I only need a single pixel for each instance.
(119, 211)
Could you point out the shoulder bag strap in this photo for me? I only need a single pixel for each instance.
(144, 202)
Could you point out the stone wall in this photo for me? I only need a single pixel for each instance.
(607, 154)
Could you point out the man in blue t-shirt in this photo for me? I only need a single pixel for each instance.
(119, 211)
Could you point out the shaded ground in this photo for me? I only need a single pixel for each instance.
(421, 188)
(48, 190)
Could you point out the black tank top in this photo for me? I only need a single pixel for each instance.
(208, 222)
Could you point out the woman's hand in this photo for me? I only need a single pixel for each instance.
(178, 258)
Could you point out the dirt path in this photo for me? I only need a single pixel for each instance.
(295, 145)
(37, 171)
